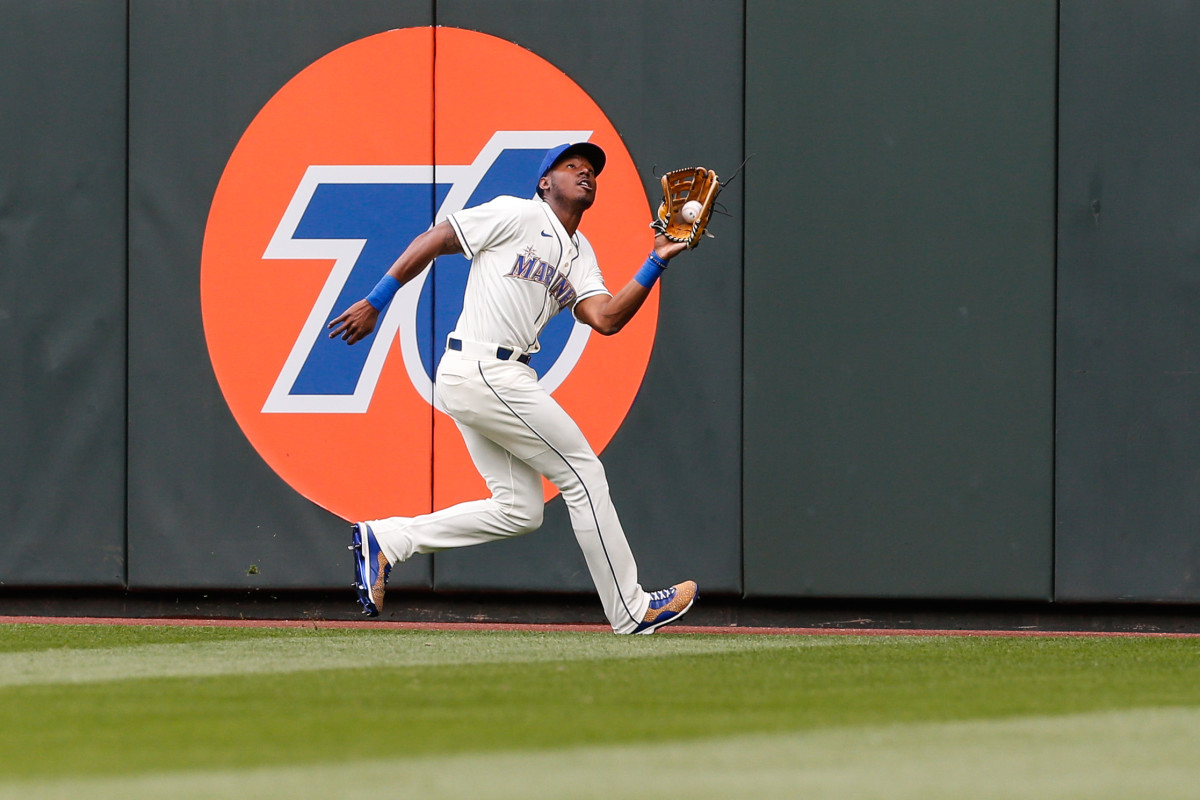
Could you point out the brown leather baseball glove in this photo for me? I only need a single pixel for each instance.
(679, 221)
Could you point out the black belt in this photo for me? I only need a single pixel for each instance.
(502, 353)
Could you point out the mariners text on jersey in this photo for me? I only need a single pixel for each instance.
(528, 267)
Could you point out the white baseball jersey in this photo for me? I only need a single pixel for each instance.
(524, 270)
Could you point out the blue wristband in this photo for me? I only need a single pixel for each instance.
(383, 292)
(649, 274)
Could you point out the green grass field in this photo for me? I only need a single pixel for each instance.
(208, 712)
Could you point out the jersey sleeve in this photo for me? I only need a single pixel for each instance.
(591, 280)
(486, 225)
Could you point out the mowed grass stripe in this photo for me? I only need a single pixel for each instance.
(1116, 754)
(250, 651)
(31, 637)
(550, 692)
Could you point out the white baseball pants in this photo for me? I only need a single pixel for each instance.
(516, 433)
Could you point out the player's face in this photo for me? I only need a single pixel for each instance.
(572, 180)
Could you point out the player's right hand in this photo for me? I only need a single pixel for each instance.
(355, 323)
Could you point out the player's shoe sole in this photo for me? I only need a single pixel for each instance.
(371, 569)
(668, 605)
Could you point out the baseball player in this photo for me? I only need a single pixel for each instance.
(528, 262)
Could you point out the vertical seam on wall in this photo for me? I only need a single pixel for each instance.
(1054, 312)
(742, 324)
(125, 359)
(433, 18)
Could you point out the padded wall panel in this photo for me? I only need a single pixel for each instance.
(1128, 499)
(62, 293)
(899, 299)
(205, 510)
(674, 466)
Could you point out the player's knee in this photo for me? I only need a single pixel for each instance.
(523, 519)
(581, 473)
(591, 479)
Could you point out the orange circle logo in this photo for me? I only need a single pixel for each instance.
(347, 163)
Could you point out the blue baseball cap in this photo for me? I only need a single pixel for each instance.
(586, 149)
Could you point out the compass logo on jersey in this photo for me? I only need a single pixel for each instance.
(347, 163)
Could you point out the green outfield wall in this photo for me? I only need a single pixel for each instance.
(1128, 335)
(941, 347)
(62, 293)
(899, 335)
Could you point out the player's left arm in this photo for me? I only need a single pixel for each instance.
(607, 314)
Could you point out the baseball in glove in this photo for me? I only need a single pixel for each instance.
(688, 196)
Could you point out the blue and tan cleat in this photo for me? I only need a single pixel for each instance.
(668, 605)
(371, 569)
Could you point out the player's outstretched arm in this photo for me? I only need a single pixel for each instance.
(608, 314)
(357, 321)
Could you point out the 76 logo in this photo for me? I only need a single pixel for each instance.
(361, 218)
